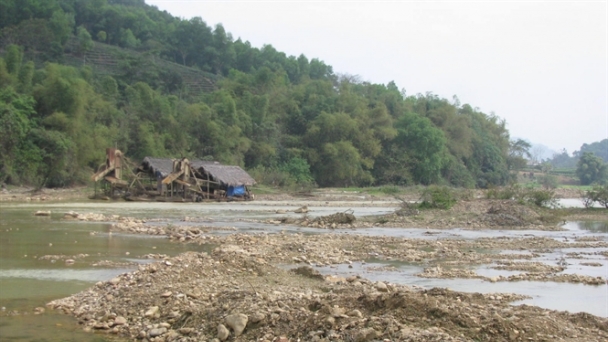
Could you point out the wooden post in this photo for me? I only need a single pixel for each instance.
(208, 193)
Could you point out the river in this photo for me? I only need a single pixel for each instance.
(33, 253)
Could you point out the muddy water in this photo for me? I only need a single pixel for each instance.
(27, 281)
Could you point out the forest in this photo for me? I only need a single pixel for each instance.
(77, 76)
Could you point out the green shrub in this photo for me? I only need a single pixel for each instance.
(599, 193)
(293, 175)
(390, 190)
(548, 181)
(527, 195)
(540, 198)
(439, 197)
(298, 169)
(507, 193)
(271, 177)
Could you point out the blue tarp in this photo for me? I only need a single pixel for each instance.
(235, 191)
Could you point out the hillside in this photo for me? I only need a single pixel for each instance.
(77, 76)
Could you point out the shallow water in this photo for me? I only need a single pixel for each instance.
(574, 203)
(27, 282)
(555, 296)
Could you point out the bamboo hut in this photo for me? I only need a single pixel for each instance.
(165, 179)
(230, 180)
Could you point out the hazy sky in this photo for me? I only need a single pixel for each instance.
(542, 66)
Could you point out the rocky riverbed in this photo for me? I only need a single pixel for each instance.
(232, 294)
(264, 284)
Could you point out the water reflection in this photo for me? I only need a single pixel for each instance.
(592, 226)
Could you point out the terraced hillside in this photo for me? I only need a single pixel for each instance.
(111, 60)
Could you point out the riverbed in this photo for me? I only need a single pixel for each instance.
(45, 258)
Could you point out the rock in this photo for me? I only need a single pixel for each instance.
(380, 286)
(257, 317)
(120, 320)
(101, 326)
(166, 294)
(365, 335)
(69, 261)
(337, 312)
(70, 215)
(152, 311)
(335, 279)
(114, 281)
(301, 210)
(193, 294)
(43, 213)
(237, 322)
(186, 331)
(355, 313)
(308, 272)
(222, 332)
(157, 332)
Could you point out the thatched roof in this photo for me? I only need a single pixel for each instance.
(163, 165)
(229, 174)
(197, 164)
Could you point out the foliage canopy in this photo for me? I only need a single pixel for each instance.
(77, 76)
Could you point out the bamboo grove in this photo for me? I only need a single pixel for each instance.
(283, 118)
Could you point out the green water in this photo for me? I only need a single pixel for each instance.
(28, 281)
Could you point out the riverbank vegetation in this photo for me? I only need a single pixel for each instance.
(284, 115)
(77, 76)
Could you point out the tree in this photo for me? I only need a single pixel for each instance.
(591, 169)
(424, 145)
(102, 36)
(15, 111)
(537, 152)
(518, 151)
(85, 42)
(563, 159)
(53, 148)
(62, 25)
(598, 148)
